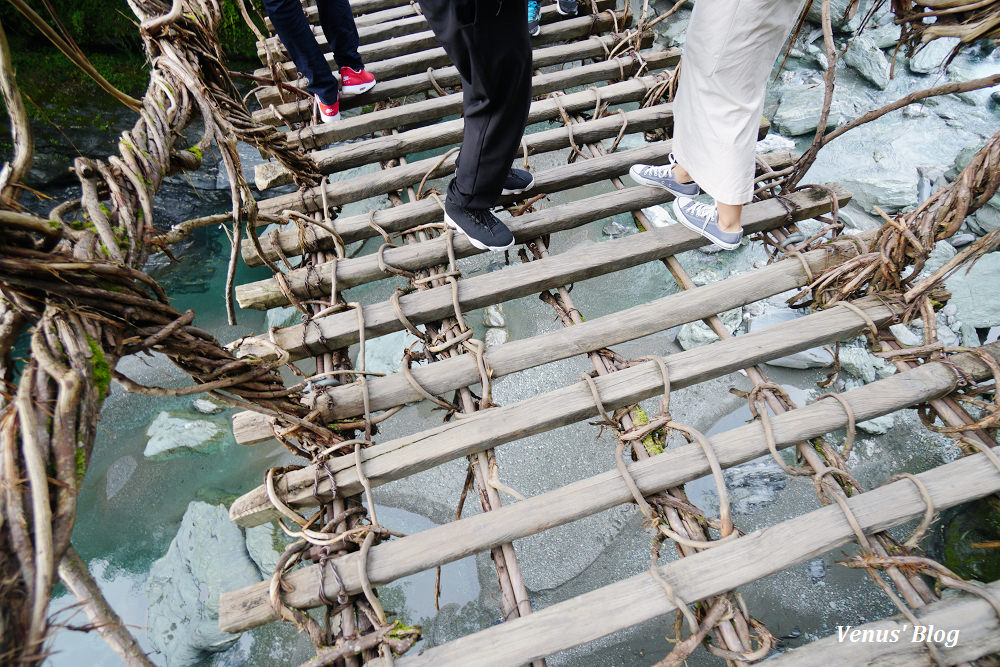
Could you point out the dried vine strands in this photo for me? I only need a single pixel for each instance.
(77, 281)
(965, 20)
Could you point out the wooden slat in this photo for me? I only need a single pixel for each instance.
(249, 607)
(399, 22)
(451, 132)
(358, 8)
(491, 428)
(711, 572)
(416, 60)
(971, 617)
(616, 68)
(338, 402)
(272, 174)
(316, 280)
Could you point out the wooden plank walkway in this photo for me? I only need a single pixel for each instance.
(408, 113)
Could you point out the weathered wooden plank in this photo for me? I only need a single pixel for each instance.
(248, 607)
(397, 22)
(411, 214)
(713, 571)
(273, 174)
(343, 401)
(358, 7)
(341, 329)
(419, 58)
(491, 428)
(971, 617)
(316, 280)
(617, 68)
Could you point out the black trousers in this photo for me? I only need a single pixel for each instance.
(338, 25)
(487, 40)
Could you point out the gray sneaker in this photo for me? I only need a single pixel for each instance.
(663, 177)
(566, 7)
(704, 219)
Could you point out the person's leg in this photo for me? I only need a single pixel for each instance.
(338, 25)
(293, 29)
(488, 43)
(730, 216)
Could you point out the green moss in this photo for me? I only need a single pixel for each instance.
(81, 464)
(101, 369)
(654, 442)
(197, 151)
(970, 540)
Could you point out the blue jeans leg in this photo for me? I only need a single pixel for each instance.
(293, 29)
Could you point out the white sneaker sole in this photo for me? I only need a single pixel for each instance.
(359, 88)
(476, 244)
(559, 9)
(530, 185)
(681, 218)
(329, 119)
(634, 174)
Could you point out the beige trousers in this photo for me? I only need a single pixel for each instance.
(729, 52)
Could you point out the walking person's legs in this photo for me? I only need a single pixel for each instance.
(487, 41)
(293, 29)
(337, 20)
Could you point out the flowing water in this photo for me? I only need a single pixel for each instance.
(131, 506)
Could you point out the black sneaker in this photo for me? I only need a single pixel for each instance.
(566, 7)
(485, 231)
(517, 181)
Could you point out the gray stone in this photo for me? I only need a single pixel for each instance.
(961, 240)
(754, 484)
(816, 357)
(885, 188)
(265, 544)
(837, 10)
(172, 434)
(616, 230)
(206, 407)
(800, 109)
(986, 219)
(385, 353)
(118, 474)
(884, 37)
(207, 557)
(493, 316)
(817, 569)
(819, 55)
(863, 365)
(774, 142)
(49, 169)
(495, 337)
(905, 336)
(879, 425)
(932, 55)
(974, 292)
(868, 60)
(694, 334)
(283, 317)
(941, 253)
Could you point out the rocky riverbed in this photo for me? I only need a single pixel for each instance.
(152, 522)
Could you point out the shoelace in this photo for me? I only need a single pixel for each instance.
(533, 11)
(704, 211)
(485, 218)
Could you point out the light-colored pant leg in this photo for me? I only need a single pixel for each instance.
(729, 52)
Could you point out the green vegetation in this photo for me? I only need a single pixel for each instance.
(101, 370)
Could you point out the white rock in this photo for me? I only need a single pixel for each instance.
(932, 55)
(863, 365)
(774, 142)
(816, 357)
(495, 337)
(265, 544)
(170, 434)
(975, 293)
(207, 557)
(694, 334)
(493, 316)
(886, 36)
(865, 57)
(905, 336)
(118, 475)
(886, 188)
(879, 425)
(385, 353)
(206, 407)
(941, 253)
(799, 111)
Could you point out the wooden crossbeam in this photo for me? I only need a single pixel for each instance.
(316, 280)
(713, 571)
(272, 174)
(424, 54)
(617, 68)
(491, 428)
(249, 607)
(401, 21)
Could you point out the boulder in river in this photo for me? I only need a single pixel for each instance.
(172, 434)
(974, 292)
(800, 109)
(694, 334)
(868, 60)
(207, 557)
(932, 55)
(815, 357)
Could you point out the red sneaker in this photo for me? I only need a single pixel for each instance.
(356, 82)
(328, 113)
